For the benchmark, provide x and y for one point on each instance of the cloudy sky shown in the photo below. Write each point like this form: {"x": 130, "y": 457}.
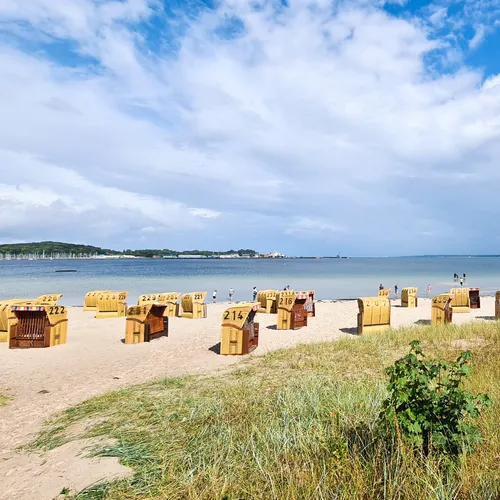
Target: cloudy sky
{"x": 307, "y": 127}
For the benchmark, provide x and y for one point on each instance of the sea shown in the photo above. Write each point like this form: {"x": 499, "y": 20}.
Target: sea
{"x": 330, "y": 278}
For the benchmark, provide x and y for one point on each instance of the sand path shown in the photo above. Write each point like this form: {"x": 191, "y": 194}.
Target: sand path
{"x": 42, "y": 382}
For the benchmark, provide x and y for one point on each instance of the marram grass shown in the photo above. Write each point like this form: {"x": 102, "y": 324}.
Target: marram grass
{"x": 3, "y": 400}
{"x": 295, "y": 424}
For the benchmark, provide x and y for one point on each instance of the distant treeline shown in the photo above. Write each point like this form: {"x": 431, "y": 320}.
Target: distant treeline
{"x": 49, "y": 248}
{"x": 52, "y": 247}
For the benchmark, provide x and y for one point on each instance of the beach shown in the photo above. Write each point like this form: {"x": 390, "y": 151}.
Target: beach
{"x": 95, "y": 360}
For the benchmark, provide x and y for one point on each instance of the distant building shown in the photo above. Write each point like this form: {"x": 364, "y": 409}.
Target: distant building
{"x": 117, "y": 257}
{"x": 274, "y": 255}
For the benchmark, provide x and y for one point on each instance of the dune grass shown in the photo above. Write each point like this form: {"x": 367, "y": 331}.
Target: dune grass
{"x": 297, "y": 424}
{"x": 3, "y": 400}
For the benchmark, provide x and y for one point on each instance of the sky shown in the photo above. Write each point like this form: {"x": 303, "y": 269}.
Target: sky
{"x": 304, "y": 127}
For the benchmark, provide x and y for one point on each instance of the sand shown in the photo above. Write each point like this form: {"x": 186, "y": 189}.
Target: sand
{"x": 95, "y": 360}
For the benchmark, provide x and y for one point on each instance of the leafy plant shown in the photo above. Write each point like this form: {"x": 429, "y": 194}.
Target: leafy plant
{"x": 428, "y": 406}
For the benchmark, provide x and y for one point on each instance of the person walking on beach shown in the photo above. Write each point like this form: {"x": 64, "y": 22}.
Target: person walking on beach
{"x": 254, "y": 293}
{"x": 429, "y": 291}
{"x": 214, "y": 296}
{"x": 396, "y": 290}
{"x": 231, "y": 293}
{"x": 461, "y": 282}
{"x": 381, "y": 287}
{"x": 464, "y": 276}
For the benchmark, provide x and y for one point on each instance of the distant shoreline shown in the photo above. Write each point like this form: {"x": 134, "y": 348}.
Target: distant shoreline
{"x": 54, "y": 250}
{"x": 218, "y": 257}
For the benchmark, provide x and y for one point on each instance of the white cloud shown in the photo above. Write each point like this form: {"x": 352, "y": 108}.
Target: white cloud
{"x": 478, "y": 37}
{"x": 73, "y": 19}
{"x": 438, "y": 16}
{"x": 492, "y": 82}
{"x": 100, "y": 209}
{"x": 307, "y": 123}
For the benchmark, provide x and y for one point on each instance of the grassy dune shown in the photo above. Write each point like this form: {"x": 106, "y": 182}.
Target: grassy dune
{"x": 297, "y": 424}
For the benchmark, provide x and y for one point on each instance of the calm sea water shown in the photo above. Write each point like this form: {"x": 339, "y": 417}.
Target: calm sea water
{"x": 331, "y": 278}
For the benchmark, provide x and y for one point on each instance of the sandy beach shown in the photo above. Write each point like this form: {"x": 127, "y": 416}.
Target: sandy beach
{"x": 95, "y": 360}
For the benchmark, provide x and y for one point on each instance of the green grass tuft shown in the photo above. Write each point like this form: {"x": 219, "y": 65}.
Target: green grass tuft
{"x": 297, "y": 423}
{"x": 3, "y": 400}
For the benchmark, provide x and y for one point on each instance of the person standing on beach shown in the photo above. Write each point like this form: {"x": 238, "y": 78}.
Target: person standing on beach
{"x": 254, "y": 293}
{"x": 429, "y": 291}
{"x": 461, "y": 282}
{"x": 231, "y": 293}
{"x": 214, "y": 296}
{"x": 396, "y": 290}
{"x": 381, "y": 287}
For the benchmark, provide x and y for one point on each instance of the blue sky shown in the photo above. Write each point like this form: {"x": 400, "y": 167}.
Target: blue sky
{"x": 307, "y": 127}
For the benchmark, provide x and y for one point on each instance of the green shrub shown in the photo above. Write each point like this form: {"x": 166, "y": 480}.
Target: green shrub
{"x": 428, "y": 406}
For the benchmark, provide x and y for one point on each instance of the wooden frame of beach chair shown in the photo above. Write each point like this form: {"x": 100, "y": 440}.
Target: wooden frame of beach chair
{"x": 170, "y": 300}
{"x": 291, "y": 315}
{"x": 409, "y": 297}
{"x": 460, "y": 301}
{"x": 442, "y": 311}
{"x": 193, "y": 305}
{"x": 268, "y": 301}
{"x": 145, "y": 323}
{"x": 239, "y": 331}
{"x": 5, "y": 313}
{"x": 385, "y": 292}
{"x": 37, "y": 326}
{"x": 49, "y": 299}
{"x": 90, "y": 301}
{"x": 374, "y": 314}
{"x": 111, "y": 305}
